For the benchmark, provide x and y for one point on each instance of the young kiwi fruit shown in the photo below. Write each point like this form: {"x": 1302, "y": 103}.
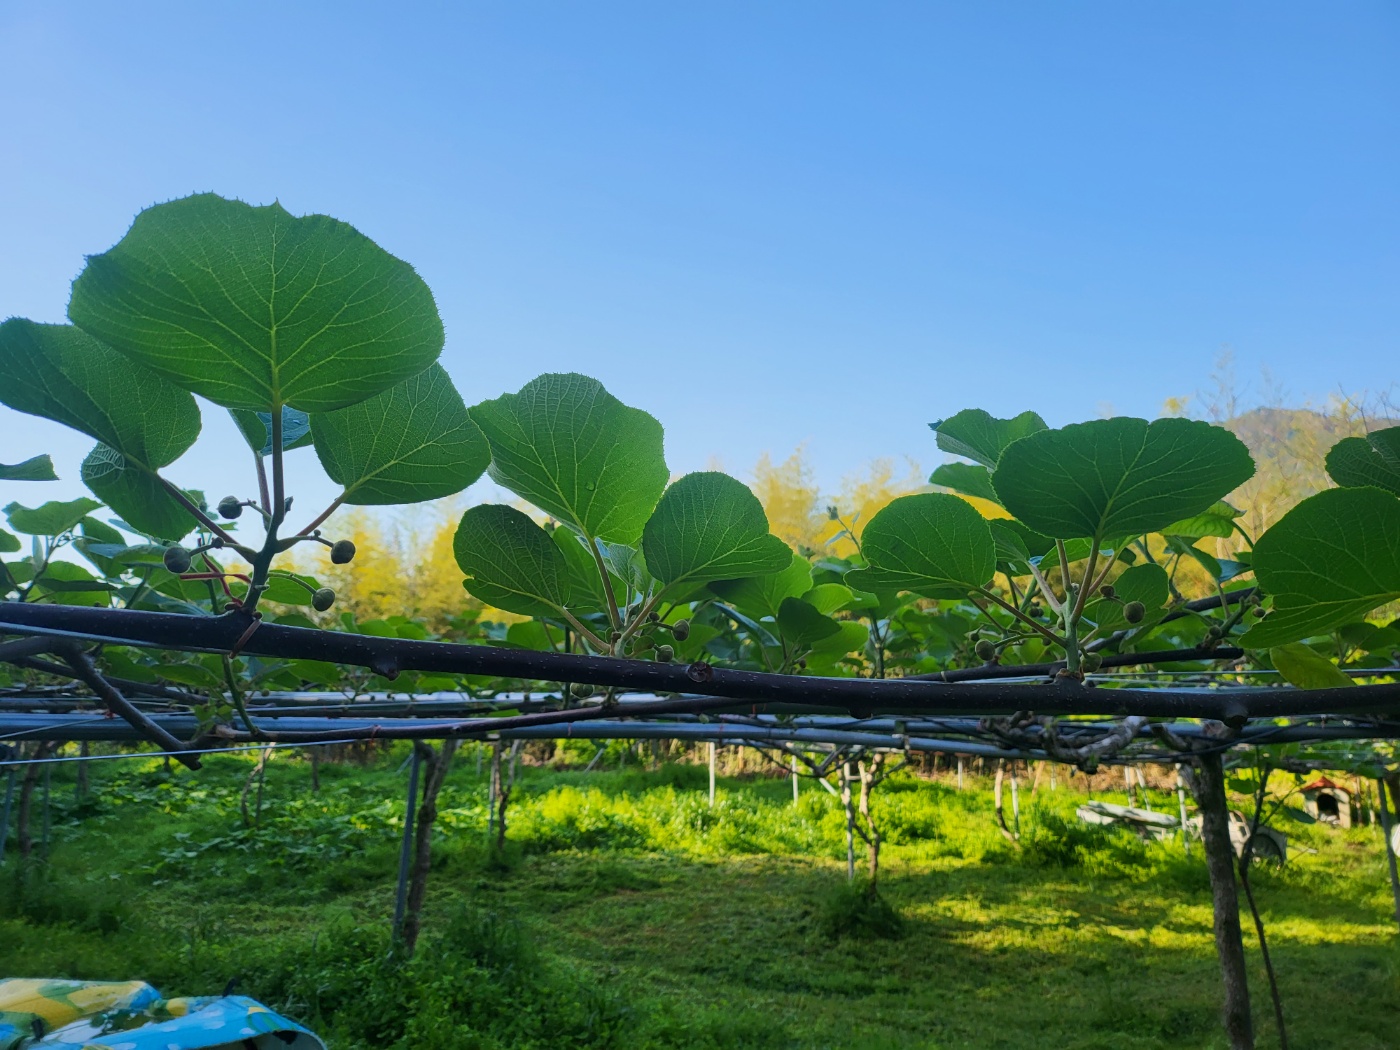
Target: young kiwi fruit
{"x": 176, "y": 559}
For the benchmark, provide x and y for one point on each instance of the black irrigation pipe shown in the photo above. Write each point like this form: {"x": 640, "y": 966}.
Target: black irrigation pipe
{"x": 440, "y": 718}
{"x": 72, "y": 728}
{"x": 75, "y": 727}
{"x": 389, "y": 656}
{"x": 604, "y": 731}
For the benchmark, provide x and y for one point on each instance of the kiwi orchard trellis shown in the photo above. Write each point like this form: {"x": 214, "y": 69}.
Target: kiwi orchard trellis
{"x": 997, "y": 630}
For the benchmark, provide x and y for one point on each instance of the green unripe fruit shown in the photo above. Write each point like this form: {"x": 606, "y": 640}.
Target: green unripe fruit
{"x": 1091, "y": 662}
{"x": 323, "y": 599}
{"x": 681, "y": 630}
{"x": 1215, "y": 631}
{"x": 1133, "y": 612}
{"x": 1259, "y": 611}
{"x": 1107, "y": 591}
{"x": 229, "y": 507}
{"x": 176, "y": 559}
{"x": 985, "y": 650}
{"x": 1037, "y": 612}
{"x": 580, "y": 690}
{"x": 665, "y": 653}
{"x": 342, "y": 552}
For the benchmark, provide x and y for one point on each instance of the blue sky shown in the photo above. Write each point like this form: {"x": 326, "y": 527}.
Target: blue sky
{"x": 768, "y": 224}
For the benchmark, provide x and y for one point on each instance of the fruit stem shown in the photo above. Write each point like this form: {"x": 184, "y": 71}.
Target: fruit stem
{"x": 320, "y": 518}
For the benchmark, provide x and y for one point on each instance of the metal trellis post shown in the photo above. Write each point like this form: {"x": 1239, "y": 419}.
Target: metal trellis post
{"x": 1015, "y": 802}
{"x": 1181, "y": 804}
{"x": 712, "y": 774}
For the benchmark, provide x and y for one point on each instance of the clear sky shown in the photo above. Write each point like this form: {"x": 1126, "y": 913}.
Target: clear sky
{"x": 768, "y": 224}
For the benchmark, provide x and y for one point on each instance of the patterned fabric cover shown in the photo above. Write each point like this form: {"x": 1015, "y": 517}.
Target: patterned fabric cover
{"x": 131, "y": 1015}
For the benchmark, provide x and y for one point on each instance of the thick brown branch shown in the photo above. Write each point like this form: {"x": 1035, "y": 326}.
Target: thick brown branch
{"x": 387, "y": 656}
{"x": 87, "y": 673}
{"x": 126, "y": 685}
{"x": 18, "y": 651}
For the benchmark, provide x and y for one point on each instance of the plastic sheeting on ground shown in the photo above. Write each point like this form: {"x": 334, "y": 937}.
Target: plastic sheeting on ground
{"x": 131, "y": 1015}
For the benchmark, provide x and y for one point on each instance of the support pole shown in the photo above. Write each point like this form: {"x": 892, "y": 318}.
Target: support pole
{"x": 1389, "y": 846}
{"x": 712, "y": 774}
{"x": 493, "y": 787}
{"x": 960, "y": 772}
{"x": 80, "y": 785}
{"x": 794, "y": 780}
{"x": 5, "y": 811}
{"x": 406, "y": 850}
{"x": 1015, "y": 802}
{"x": 850, "y": 821}
{"x": 48, "y": 815}
{"x": 1181, "y": 804}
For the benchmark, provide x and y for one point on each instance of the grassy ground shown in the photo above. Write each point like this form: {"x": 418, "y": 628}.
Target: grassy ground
{"x": 629, "y": 913}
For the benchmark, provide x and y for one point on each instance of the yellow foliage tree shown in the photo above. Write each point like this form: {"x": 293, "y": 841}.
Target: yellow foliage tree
{"x": 863, "y": 494}
{"x": 402, "y": 566}
{"x": 790, "y": 498}
{"x": 800, "y": 514}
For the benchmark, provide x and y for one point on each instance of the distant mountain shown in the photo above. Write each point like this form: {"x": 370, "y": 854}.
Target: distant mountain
{"x": 1270, "y": 428}
{"x": 1290, "y": 448}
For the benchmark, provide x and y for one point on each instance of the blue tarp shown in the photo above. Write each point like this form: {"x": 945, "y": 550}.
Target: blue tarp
{"x": 131, "y": 1015}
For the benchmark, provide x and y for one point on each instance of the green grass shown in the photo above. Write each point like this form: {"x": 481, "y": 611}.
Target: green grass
{"x": 629, "y": 913}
